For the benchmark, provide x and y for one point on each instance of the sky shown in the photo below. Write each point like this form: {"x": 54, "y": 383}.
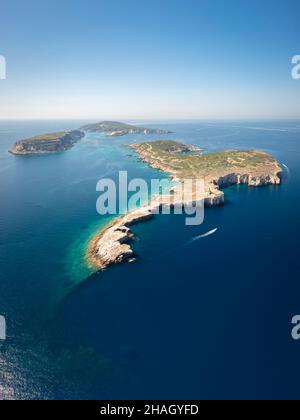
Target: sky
{"x": 149, "y": 59}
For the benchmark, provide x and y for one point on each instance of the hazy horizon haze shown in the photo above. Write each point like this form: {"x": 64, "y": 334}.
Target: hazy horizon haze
{"x": 163, "y": 59}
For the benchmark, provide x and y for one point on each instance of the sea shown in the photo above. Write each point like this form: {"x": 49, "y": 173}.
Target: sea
{"x": 190, "y": 319}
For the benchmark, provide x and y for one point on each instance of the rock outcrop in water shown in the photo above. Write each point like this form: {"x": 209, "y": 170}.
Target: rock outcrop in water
{"x": 47, "y": 143}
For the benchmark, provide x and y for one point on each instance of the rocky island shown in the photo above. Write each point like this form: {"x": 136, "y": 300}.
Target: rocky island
{"x": 65, "y": 140}
{"x": 47, "y": 143}
{"x": 113, "y": 129}
{"x": 218, "y": 170}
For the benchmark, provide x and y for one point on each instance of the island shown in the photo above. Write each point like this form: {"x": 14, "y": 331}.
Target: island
{"x": 113, "y": 129}
{"x": 65, "y": 140}
{"x": 218, "y": 170}
{"x": 47, "y": 143}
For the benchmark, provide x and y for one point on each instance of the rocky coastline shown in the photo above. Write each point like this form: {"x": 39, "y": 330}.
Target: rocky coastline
{"x": 112, "y": 245}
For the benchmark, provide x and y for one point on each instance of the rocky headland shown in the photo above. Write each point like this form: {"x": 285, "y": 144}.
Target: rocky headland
{"x": 112, "y": 246}
{"x": 218, "y": 170}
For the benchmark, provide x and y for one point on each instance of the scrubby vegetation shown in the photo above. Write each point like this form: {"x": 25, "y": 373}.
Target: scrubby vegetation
{"x": 171, "y": 154}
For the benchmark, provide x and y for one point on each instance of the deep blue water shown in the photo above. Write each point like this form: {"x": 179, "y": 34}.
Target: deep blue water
{"x": 205, "y": 320}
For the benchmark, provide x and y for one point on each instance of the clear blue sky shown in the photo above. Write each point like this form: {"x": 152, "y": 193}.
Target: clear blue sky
{"x": 149, "y": 59}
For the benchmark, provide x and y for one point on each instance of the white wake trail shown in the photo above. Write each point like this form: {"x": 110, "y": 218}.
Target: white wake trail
{"x": 204, "y": 235}
{"x": 287, "y": 168}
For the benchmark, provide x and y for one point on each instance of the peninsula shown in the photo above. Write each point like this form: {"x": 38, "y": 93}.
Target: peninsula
{"x": 47, "y": 143}
{"x": 218, "y": 170}
{"x": 113, "y": 129}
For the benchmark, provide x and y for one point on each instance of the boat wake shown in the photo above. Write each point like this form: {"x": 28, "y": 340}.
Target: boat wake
{"x": 204, "y": 235}
{"x": 287, "y": 169}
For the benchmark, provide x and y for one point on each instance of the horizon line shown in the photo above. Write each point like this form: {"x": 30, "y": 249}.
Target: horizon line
{"x": 98, "y": 119}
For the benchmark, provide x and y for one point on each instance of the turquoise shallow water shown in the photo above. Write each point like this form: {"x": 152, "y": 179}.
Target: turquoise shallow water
{"x": 205, "y": 320}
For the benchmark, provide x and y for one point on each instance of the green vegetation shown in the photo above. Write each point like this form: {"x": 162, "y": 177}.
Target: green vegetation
{"x": 47, "y": 137}
{"x": 107, "y": 126}
{"x": 114, "y": 128}
{"x": 47, "y": 143}
{"x": 169, "y": 146}
{"x": 166, "y": 154}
